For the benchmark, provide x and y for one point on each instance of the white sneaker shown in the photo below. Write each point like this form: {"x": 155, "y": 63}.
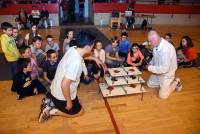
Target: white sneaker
{"x": 179, "y": 85}
{"x": 44, "y": 115}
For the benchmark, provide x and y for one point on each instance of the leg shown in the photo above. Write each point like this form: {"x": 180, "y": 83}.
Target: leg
{"x": 59, "y": 109}
{"x": 57, "y": 112}
{"x": 111, "y": 63}
{"x": 14, "y": 68}
{"x": 37, "y": 84}
{"x": 167, "y": 86}
{"x": 153, "y": 81}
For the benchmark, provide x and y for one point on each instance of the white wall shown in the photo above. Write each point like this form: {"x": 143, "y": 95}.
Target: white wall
{"x": 176, "y": 19}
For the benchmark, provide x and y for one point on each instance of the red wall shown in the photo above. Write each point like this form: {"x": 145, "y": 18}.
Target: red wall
{"x": 144, "y": 8}
{"x": 14, "y": 9}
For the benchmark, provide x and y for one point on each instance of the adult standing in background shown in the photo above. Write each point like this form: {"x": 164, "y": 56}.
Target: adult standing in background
{"x": 71, "y": 4}
{"x": 44, "y": 17}
{"x": 81, "y": 8}
{"x": 163, "y": 66}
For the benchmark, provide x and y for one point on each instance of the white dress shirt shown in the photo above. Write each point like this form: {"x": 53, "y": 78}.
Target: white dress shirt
{"x": 164, "y": 60}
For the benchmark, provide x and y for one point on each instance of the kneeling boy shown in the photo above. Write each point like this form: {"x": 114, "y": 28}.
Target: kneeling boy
{"x": 65, "y": 83}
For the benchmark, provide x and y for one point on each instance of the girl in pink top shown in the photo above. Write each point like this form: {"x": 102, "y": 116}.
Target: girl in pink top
{"x": 135, "y": 57}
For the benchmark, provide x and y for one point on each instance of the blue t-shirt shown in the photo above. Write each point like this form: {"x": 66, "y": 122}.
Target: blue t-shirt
{"x": 124, "y": 46}
{"x": 50, "y": 69}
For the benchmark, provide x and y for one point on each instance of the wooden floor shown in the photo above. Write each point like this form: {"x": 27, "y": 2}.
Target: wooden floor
{"x": 179, "y": 114}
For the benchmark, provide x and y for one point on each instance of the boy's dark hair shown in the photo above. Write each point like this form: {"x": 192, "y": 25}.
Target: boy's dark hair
{"x": 49, "y": 52}
{"x": 113, "y": 39}
{"x": 23, "y": 63}
{"x": 23, "y": 48}
{"x": 124, "y": 34}
{"x": 85, "y": 38}
{"x": 189, "y": 42}
{"x": 6, "y": 25}
{"x": 49, "y": 36}
{"x": 37, "y": 38}
{"x": 169, "y": 34}
{"x": 34, "y": 25}
{"x": 15, "y": 28}
{"x": 97, "y": 41}
{"x": 67, "y": 31}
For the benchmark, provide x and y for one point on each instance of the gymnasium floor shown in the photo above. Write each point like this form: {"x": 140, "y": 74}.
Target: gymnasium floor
{"x": 179, "y": 114}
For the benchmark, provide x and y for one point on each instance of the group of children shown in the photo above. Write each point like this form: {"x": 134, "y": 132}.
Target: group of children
{"x": 35, "y": 70}
{"x": 28, "y": 62}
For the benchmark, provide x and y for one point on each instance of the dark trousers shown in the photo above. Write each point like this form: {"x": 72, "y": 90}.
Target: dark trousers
{"x": 13, "y": 68}
{"x": 122, "y": 54}
{"x": 29, "y": 91}
{"x": 186, "y": 64}
{"x": 93, "y": 68}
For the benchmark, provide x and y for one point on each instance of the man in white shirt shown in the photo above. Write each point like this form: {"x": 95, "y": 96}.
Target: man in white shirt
{"x": 63, "y": 98}
{"x": 163, "y": 66}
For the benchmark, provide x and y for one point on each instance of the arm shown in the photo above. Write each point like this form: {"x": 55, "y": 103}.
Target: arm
{"x": 46, "y": 78}
{"x": 164, "y": 66}
{"x": 58, "y": 48}
{"x": 141, "y": 58}
{"x": 110, "y": 58}
{"x": 103, "y": 56}
{"x": 129, "y": 61}
{"x": 65, "y": 85}
{"x": 85, "y": 71}
{"x": 99, "y": 63}
{"x": 26, "y": 39}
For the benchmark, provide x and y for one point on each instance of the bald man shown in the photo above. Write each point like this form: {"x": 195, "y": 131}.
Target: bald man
{"x": 163, "y": 66}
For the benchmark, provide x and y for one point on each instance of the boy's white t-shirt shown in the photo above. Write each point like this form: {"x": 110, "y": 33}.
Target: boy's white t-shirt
{"x": 70, "y": 67}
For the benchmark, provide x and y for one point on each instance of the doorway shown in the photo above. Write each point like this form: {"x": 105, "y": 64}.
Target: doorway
{"x": 76, "y": 12}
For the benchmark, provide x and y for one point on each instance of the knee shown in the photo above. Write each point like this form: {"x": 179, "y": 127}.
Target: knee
{"x": 149, "y": 84}
{"x": 163, "y": 95}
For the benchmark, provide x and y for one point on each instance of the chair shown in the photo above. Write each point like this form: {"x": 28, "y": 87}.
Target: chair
{"x": 115, "y": 19}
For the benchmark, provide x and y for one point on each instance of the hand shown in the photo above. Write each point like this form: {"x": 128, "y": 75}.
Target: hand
{"x": 119, "y": 59}
{"x": 99, "y": 63}
{"x": 69, "y": 105}
{"x": 67, "y": 40}
{"x": 27, "y": 84}
{"x": 35, "y": 91}
{"x": 147, "y": 66}
{"x": 86, "y": 77}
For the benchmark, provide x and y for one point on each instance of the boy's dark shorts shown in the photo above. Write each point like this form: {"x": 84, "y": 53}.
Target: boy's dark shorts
{"x": 61, "y": 105}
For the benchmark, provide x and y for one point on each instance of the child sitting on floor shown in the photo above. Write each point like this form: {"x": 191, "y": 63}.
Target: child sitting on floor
{"x": 23, "y": 84}
{"x": 135, "y": 57}
{"x": 50, "y": 66}
{"x": 189, "y": 51}
{"x": 91, "y": 69}
{"x": 112, "y": 54}
{"x": 51, "y": 44}
{"x": 26, "y": 53}
{"x": 180, "y": 56}
{"x": 100, "y": 54}
{"x": 37, "y": 50}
